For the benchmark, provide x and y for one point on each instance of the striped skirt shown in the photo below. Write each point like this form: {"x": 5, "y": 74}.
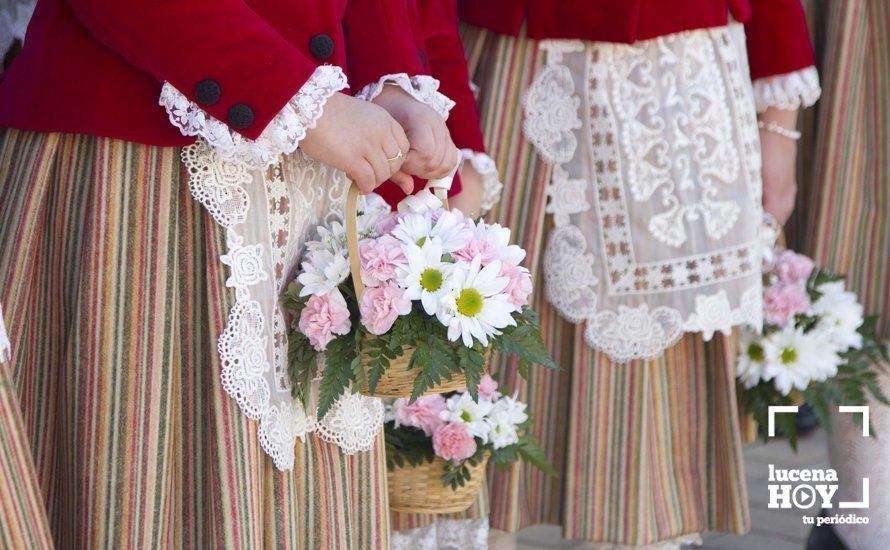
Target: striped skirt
{"x": 648, "y": 452}
{"x": 843, "y": 219}
{"x": 114, "y": 300}
{"x": 23, "y": 522}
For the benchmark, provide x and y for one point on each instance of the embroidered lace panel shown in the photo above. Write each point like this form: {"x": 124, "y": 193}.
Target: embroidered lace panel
{"x": 655, "y": 192}
{"x": 267, "y": 215}
{"x": 444, "y": 534}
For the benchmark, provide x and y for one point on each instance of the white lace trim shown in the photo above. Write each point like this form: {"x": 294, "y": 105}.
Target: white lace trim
{"x": 280, "y": 137}
{"x": 423, "y": 88}
{"x": 676, "y": 543}
{"x": 5, "y": 346}
{"x": 224, "y": 188}
{"x": 444, "y": 534}
{"x": 666, "y": 124}
{"x": 790, "y": 91}
{"x": 551, "y": 106}
{"x": 491, "y": 181}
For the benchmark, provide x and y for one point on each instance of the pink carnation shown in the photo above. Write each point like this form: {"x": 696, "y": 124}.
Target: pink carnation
{"x": 782, "y": 301}
{"x": 380, "y": 258}
{"x": 380, "y": 307}
{"x": 520, "y": 285}
{"x": 323, "y": 317}
{"x": 792, "y": 267}
{"x": 387, "y": 224}
{"x": 423, "y": 413}
{"x": 488, "y": 388}
{"x": 474, "y": 248}
{"x": 454, "y": 442}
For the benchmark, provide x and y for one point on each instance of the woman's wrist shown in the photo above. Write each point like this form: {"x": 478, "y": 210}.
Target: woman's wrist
{"x": 780, "y": 122}
{"x": 775, "y": 128}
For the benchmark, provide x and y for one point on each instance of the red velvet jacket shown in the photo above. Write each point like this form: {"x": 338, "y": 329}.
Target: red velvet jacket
{"x": 778, "y": 41}
{"x": 439, "y": 40}
{"x": 96, "y": 66}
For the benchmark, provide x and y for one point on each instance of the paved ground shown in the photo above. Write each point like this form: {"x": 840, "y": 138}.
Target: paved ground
{"x": 770, "y": 529}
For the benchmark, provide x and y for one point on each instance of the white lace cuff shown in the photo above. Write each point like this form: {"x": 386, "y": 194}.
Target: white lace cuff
{"x": 424, "y": 89}
{"x": 281, "y": 136}
{"x": 790, "y": 91}
{"x": 491, "y": 184}
{"x": 5, "y": 347}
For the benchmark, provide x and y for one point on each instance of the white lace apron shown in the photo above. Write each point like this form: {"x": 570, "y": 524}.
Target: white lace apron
{"x": 267, "y": 215}
{"x": 656, "y": 187}
{"x": 269, "y": 197}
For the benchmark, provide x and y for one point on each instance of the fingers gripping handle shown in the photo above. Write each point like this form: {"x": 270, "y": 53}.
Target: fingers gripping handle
{"x": 434, "y": 195}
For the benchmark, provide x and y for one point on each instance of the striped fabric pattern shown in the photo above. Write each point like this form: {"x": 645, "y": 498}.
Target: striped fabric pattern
{"x": 844, "y": 204}
{"x": 114, "y": 299}
{"x": 843, "y": 215}
{"x": 23, "y": 522}
{"x": 648, "y": 451}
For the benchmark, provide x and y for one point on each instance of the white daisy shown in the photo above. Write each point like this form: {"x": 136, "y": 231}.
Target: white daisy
{"x": 498, "y": 238}
{"x": 323, "y": 272}
{"x": 749, "y": 368}
{"x": 451, "y": 230}
{"x": 795, "y": 358}
{"x": 475, "y": 306}
{"x": 506, "y": 416}
{"x": 332, "y": 239}
{"x": 425, "y": 277}
{"x": 840, "y": 316}
{"x": 389, "y": 410}
{"x": 372, "y": 210}
{"x": 462, "y": 409}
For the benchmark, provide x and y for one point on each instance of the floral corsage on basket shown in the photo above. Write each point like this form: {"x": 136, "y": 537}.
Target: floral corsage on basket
{"x": 816, "y": 347}
{"x": 406, "y": 304}
{"x": 438, "y": 446}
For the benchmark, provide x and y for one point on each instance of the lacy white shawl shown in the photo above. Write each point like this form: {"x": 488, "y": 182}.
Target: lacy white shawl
{"x": 656, "y": 185}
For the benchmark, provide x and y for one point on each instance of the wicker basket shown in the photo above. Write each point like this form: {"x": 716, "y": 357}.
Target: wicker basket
{"x": 419, "y": 489}
{"x": 398, "y": 380}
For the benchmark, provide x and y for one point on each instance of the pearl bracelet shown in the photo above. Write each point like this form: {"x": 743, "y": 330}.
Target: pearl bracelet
{"x": 775, "y": 128}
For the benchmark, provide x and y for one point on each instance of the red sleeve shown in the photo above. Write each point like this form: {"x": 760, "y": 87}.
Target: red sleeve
{"x": 382, "y": 37}
{"x": 379, "y": 41}
{"x": 778, "y": 38}
{"x": 187, "y": 42}
{"x": 447, "y": 61}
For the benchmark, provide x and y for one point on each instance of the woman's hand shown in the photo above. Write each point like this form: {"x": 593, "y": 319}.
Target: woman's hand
{"x": 359, "y": 138}
{"x": 779, "y": 165}
{"x": 469, "y": 200}
{"x": 432, "y": 154}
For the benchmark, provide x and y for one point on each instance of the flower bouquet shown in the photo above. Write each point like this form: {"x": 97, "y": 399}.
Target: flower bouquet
{"x": 815, "y": 345}
{"x": 438, "y": 446}
{"x": 412, "y": 301}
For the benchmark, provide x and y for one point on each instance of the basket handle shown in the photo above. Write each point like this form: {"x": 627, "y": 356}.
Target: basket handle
{"x": 434, "y": 195}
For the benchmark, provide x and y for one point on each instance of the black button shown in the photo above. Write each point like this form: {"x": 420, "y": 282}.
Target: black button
{"x": 207, "y": 92}
{"x": 240, "y": 116}
{"x": 422, "y": 57}
{"x": 321, "y": 46}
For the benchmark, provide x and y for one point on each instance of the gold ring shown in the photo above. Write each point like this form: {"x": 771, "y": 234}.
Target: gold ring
{"x": 395, "y": 158}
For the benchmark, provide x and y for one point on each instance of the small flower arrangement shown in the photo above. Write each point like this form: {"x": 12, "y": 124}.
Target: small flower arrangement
{"x": 815, "y": 342}
{"x": 436, "y": 282}
{"x": 462, "y": 432}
